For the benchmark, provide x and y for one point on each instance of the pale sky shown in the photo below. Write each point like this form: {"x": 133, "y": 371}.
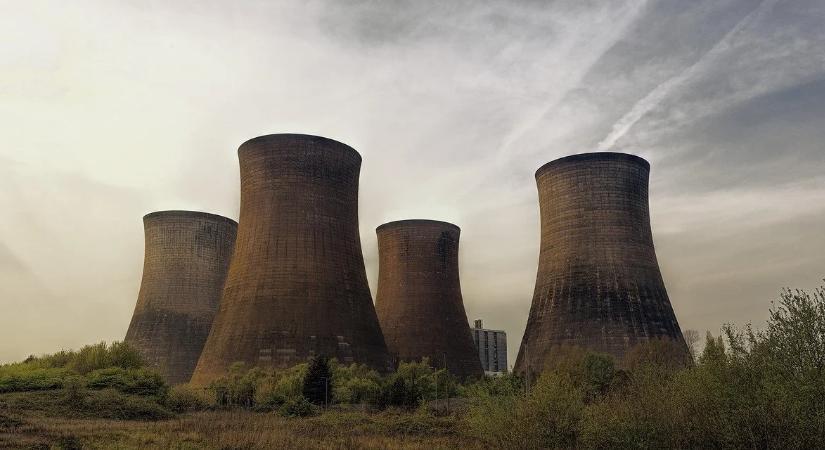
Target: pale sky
{"x": 113, "y": 109}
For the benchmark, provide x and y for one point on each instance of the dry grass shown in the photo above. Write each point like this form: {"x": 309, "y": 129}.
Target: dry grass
{"x": 239, "y": 430}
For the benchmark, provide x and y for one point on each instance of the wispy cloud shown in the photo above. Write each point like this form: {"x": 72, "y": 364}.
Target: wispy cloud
{"x": 662, "y": 91}
{"x": 109, "y": 110}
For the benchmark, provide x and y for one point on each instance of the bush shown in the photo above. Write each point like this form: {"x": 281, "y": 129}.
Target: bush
{"x": 412, "y": 384}
{"x": 750, "y": 389}
{"x": 129, "y": 381}
{"x": 491, "y": 416}
{"x": 20, "y": 378}
{"x": 183, "y": 398}
{"x": 355, "y": 384}
{"x": 101, "y": 356}
{"x": 112, "y": 404}
{"x": 75, "y": 389}
{"x": 239, "y": 388}
{"x": 51, "y": 371}
{"x": 297, "y": 407}
{"x": 275, "y": 388}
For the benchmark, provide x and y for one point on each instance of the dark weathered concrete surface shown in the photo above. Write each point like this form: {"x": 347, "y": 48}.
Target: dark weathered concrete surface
{"x": 186, "y": 261}
{"x": 598, "y": 284}
{"x": 419, "y": 299}
{"x": 297, "y": 285}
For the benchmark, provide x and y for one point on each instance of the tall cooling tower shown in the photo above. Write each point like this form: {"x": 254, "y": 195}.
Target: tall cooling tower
{"x": 419, "y": 300}
{"x": 185, "y": 265}
{"x": 297, "y": 286}
{"x": 598, "y": 285}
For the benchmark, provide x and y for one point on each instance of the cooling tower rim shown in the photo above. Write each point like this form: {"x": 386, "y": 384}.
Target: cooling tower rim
{"x": 593, "y": 156}
{"x": 292, "y": 136}
{"x": 188, "y": 214}
{"x": 408, "y": 222}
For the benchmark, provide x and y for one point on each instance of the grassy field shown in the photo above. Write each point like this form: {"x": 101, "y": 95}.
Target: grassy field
{"x": 36, "y": 420}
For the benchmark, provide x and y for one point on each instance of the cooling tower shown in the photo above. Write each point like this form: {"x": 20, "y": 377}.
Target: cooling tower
{"x": 419, "y": 300}
{"x": 185, "y": 265}
{"x": 297, "y": 286}
{"x": 598, "y": 285}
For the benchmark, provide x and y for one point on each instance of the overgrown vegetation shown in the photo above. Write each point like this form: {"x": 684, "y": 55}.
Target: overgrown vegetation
{"x": 747, "y": 389}
{"x": 751, "y": 388}
{"x": 326, "y": 382}
{"x": 98, "y": 381}
{"x": 95, "y": 362}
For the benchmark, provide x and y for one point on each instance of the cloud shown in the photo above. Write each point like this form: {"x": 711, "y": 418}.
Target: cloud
{"x": 110, "y": 110}
{"x": 663, "y": 90}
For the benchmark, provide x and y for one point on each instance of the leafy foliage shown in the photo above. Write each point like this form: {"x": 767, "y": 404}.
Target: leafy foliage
{"x": 747, "y": 389}
{"x": 128, "y": 381}
{"x": 118, "y": 362}
{"x": 355, "y": 384}
{"x": 182, "y": 399}
{"x": 297, "y": 407}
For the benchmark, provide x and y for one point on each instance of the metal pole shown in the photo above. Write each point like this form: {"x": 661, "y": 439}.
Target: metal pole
{"x": 437, "y": 392}
{"x": 446, "y": 390}
{"x": 527, "y": 359}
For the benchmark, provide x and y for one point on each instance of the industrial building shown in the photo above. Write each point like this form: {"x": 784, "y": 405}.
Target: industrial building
{"x": 492, "y": 348}
{"x": 598, "y": 285}
{"x": 185, "y": 265}
{"x": 297, "y": 285}
{"x": 419, "y": 301}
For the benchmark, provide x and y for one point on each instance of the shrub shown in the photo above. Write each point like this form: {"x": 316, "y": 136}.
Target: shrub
{"x": 50, "y": 371}
{"x": 667, "y": 353}
{"x": 183, "y": 398}
{"x": 491, "y": 416}
{"x": 297, "y": 407}
{"x": 276, "y": 387}
{"x": 74, "y": 388}
{"x": 19, "y": 378}
{"x": 239, "y": 388}
{"x": 355, "y": 384}
{"x": 129, "y": 381}
{"x": 412, "y": 384}
{"x": 112, "y": 404}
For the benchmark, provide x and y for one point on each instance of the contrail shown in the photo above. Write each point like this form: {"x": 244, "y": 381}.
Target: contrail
{"x": 660, "y": 92}
{"x": 537, "y": 117}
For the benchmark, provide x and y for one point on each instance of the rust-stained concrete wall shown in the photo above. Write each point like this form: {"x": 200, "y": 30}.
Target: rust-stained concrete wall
{"x": 297, "y": 285}
{"x": 598, "y": 284}
{"x": 185, "y": 265}
{"x": 419, "y": 299}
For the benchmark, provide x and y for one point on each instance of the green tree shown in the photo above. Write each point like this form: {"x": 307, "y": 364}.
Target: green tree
{"x": 318, "y": 386}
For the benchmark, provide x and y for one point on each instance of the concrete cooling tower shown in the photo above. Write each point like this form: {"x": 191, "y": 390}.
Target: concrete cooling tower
{"x": 297, "y": 286}
{"x": 598, "y": 285}
{"x": 185, "y": 265}
{"x": 419, "y": 300}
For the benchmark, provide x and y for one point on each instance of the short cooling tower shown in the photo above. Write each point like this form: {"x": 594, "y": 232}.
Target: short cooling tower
{"x": 186, "y": 261}
{"x": 598, "y": 285}
{"x": 297, "y": 286}
{"x": 419, "y": 300}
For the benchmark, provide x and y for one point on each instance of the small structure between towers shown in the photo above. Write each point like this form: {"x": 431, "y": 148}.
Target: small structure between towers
{"x": 492, "y": 348}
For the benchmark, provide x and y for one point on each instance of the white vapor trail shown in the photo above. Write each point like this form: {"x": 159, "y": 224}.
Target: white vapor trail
{"x": 660, "y": 92}
{"x": 597, "y": 48}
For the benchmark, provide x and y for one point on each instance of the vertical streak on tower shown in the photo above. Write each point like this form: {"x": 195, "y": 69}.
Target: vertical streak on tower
{"x": 598, "y": 285}
{"x": 185, "y": 265}
{"x": 297, "y": 285}
{"x": 419, "y": 299}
